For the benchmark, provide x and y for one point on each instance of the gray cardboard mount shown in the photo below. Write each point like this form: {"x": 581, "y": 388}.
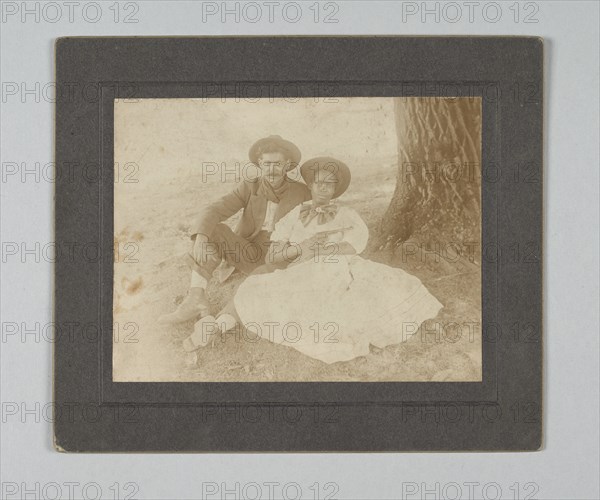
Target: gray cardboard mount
{"x": 503, "y": 412}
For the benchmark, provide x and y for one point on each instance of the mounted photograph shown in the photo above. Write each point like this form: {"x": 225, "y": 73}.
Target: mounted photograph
{"x": 356, "y": 247}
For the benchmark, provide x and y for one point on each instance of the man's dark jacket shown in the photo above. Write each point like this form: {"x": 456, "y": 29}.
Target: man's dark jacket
{"x": 244, "y": 197}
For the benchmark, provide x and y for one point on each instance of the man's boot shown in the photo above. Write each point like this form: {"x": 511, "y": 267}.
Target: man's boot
{"x": 194, "y": 305}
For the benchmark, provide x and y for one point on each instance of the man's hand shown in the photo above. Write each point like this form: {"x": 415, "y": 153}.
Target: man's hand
{"x": 200, "y": 250}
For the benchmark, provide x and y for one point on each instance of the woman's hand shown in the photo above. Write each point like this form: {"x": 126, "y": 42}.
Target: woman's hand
{"x": 317, "y": 239}
{"x": 294, "y": 253}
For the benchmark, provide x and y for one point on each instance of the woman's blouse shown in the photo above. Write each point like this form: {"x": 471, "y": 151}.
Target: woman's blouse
{"x": 290, "y": 229}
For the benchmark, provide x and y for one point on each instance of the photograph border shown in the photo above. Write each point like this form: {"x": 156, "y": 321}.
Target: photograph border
{"x": 503, "y": 412}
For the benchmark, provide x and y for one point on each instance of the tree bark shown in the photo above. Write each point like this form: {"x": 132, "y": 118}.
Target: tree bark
{"x": 438, "y": 189}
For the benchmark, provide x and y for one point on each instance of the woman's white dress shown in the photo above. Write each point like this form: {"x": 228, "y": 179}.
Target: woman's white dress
{"x": 331, "y": 307}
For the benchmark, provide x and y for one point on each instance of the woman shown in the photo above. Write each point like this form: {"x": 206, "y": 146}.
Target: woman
{"x": 329, "y": 303}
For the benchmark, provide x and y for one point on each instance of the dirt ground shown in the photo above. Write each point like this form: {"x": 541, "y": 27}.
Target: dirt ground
{"x": 151, "y": 278}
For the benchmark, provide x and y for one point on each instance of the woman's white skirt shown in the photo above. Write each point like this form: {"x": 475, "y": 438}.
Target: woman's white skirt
{"x": 333, "y": 308}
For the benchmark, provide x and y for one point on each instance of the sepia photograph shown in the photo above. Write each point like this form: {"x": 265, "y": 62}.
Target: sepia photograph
{"x": 297, "y": 239}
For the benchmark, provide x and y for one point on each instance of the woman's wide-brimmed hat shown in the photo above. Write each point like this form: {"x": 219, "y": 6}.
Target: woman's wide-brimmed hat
{"x": 289, "y": 148}
{"x": 338, "y": 168}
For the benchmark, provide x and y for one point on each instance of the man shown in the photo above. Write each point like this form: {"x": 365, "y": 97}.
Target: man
{"x": 264, "y": 201}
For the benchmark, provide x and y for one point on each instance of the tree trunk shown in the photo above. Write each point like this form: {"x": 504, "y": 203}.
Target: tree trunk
{"x": 438, "y": 190}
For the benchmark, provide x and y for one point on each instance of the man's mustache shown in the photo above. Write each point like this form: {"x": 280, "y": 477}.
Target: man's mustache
{"x": 273, "y": 174}
{"x": 274, "y": 179}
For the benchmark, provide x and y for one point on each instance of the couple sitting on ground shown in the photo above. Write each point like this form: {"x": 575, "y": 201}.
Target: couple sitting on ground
{"x": 307, "y": 286}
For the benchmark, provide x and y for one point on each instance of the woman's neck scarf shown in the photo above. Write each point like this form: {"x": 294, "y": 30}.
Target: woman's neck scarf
{"x": 271, "y": 192}
{"x": 323, "y": 213}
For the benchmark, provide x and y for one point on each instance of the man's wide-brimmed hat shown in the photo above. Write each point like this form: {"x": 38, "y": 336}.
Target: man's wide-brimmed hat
{"x": 338, "y": 168}
{"x": 289, "y": 148}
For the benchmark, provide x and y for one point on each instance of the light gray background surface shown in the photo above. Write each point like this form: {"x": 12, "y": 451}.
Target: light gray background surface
{"x": 568, "y": 466}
